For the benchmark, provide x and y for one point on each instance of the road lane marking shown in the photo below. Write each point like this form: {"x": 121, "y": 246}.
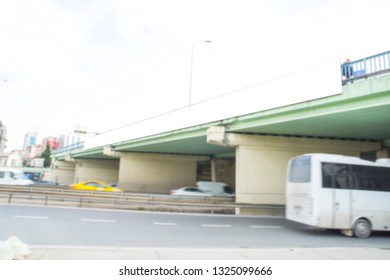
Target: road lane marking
{"x": 266, "y": 227}
{"x": 97, "y": 221}
{"x": 31, "y": 217}
{"x": 164, "y": 224}
{"x": 211, "y": 225}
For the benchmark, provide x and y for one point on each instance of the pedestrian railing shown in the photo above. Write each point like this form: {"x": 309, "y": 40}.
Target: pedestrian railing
{"x": 366, "y": 67}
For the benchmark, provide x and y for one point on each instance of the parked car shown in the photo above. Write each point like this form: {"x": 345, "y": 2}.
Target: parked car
{"x": 95, "y": 185}
{"x": 190, "y": 191}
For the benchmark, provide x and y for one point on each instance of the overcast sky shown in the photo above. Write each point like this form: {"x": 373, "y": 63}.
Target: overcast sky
{"x": 108, "y": 63}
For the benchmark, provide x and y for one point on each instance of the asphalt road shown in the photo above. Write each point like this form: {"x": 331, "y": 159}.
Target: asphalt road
{"x": 55, "y": 226}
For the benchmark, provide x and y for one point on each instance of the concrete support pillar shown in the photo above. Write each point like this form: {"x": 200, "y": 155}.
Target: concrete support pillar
{"x": 63, "y": 172}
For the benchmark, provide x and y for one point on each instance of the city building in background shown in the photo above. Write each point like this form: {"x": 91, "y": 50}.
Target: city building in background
{"x": 13, "y": 159}
{"x": 70, "y": 139}
{"x": 3, "y": 143}
{"x": 30, "y": 139}
{"x": 50, "y": 141}
{"x": 30, "y": 155}
{"x": 3, "y": 137}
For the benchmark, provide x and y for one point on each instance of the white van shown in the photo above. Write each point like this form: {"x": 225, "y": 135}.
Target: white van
{"x": 216, "y": 188}
{"x": 13, "y": 176}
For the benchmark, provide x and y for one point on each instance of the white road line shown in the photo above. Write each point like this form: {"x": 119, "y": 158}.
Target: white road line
{"x": 31, "y": 217}
{"x": 209, "y": 225}
{"x": 164, "y": 224}
{"x": 266, "y": 227}
{"x": 97, "y": 221}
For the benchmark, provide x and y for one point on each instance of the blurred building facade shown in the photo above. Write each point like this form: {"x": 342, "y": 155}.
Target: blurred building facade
{"x": 50, "y": 141}
{"x": 3, "y": 137}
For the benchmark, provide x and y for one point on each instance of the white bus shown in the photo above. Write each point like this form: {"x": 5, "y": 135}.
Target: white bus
{"x": 339, "y": 192}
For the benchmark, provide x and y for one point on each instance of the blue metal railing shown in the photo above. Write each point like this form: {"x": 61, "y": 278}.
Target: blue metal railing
{"x": 366, "y": 67}
{"x": 70, "y": 147}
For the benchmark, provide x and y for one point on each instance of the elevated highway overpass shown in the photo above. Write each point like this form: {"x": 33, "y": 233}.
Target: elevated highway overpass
{"x": 248, "y": 151}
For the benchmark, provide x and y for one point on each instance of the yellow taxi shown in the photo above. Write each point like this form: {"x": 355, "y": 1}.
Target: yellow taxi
{"x": 95, "y": 185}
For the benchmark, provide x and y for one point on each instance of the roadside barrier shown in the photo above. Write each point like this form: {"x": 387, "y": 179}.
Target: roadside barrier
{"x": 62, "y": 196}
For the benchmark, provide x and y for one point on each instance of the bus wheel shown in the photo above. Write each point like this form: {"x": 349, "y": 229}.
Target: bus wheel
{"x": 362, "y": 228}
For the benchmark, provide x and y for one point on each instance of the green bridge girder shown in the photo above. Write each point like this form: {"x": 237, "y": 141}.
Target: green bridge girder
{"x": 361, "y": 112}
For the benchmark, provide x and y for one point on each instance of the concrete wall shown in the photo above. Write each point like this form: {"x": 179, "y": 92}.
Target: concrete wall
{"x": 383, "y": 153}
{"x": 224, "y": 170}
{"x": 90, "y": 169}
{"x": 63, "y": 172}
{"x": 154, "y": 173}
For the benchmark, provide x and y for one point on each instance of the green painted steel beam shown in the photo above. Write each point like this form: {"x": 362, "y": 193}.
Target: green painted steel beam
{"x": 361, "y": 112}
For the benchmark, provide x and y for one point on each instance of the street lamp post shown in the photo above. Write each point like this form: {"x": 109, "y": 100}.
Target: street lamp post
{"x": 79, "y": 129}
{"x": 192, "y": 62}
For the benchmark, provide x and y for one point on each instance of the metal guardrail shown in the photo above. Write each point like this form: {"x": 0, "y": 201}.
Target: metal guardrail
{"x": 366, "y": 67}
{"x": 125, "y": 201}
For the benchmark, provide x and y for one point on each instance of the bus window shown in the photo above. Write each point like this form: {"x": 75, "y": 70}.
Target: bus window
{"x": 372, "y": 178}
{"x": 334, "y": 175}
{"x": 300, "y": 170}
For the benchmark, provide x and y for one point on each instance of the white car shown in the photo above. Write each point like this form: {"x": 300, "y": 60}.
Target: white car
{"x": 216, "y": 188}
{"x": 190, "y": 191}
{"x": 13, "y": 176}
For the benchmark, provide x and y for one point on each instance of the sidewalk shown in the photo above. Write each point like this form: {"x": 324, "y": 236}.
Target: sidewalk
{"x": 111, "y": 253}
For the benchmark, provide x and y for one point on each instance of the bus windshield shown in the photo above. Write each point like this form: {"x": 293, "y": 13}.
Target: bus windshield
{"x": 300, "y": 170}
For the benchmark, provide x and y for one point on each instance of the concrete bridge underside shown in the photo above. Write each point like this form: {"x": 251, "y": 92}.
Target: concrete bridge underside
{"x": 250, "y": 152}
